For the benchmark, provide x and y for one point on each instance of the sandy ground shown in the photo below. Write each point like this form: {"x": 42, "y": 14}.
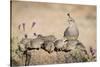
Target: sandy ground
{"x": 51, "y": 19}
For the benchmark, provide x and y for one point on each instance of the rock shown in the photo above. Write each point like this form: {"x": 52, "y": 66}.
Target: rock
{"x": 59, "y": 44}
{"x": 49, "y": 46}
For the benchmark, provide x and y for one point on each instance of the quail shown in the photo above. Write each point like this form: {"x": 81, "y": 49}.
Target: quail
{"x": 71, "y": 32}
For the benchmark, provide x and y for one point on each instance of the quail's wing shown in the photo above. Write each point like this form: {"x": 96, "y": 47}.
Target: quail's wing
{"x": 66, "y": 32}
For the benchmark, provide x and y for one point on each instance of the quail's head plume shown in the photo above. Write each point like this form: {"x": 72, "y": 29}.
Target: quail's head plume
{"x": 70, "y": 19}
{"x": 68, "y": 14}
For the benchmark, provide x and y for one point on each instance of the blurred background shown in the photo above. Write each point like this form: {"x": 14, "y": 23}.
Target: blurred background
{"x": 51, "y": 19}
